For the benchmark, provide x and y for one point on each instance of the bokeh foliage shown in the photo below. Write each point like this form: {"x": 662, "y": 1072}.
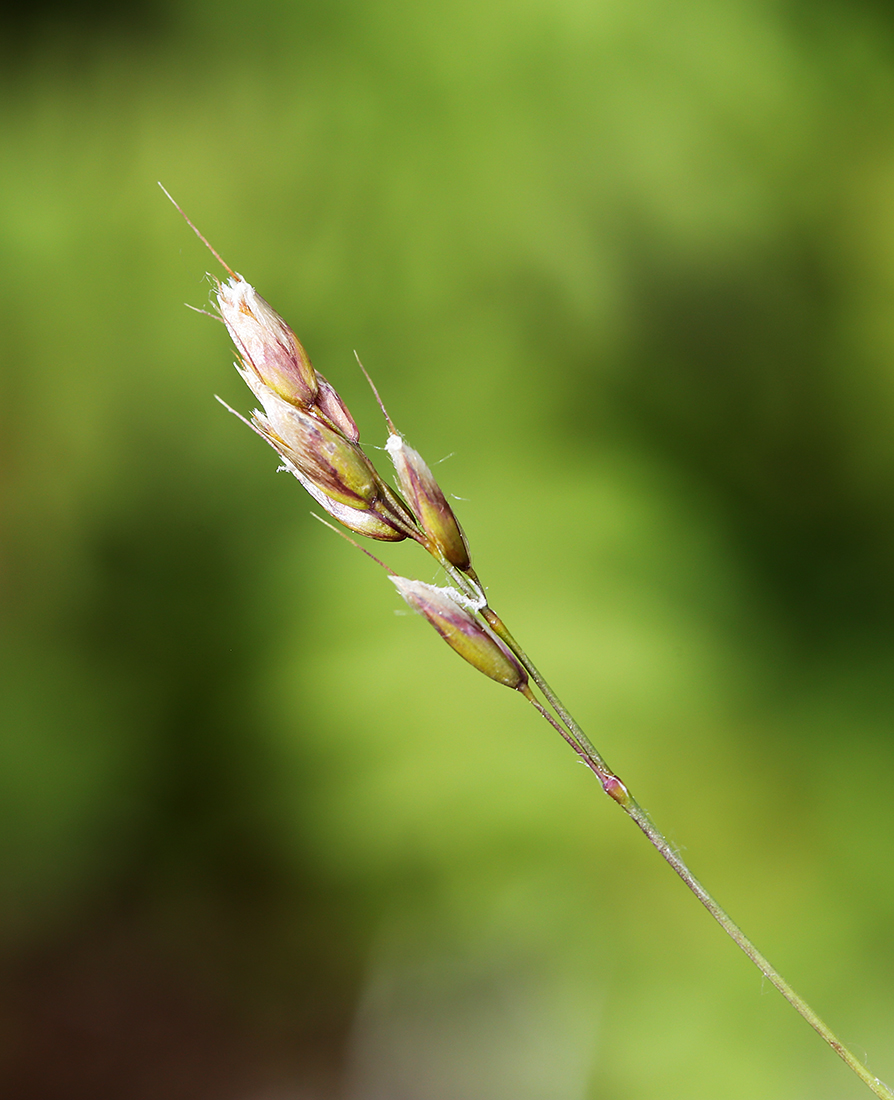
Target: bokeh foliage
{"x": 632, "y": 267}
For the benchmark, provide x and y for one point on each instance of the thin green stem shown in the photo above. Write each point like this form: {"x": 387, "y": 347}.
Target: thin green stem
{"x": 499, "y": 628}
{"x": 616, "y": 789}
{"x": 642, "y": 819}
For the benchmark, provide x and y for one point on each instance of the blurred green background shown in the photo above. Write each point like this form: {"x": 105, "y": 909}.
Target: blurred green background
{"x": 631, "y": 265}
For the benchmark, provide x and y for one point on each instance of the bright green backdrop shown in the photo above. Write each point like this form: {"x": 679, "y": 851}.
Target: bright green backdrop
{"x": 631, "y": 265}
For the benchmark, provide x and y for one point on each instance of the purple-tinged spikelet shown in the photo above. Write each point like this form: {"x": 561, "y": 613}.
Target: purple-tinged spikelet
{"x": 463, "y": 632}
{"x": 274, "y": 354}
{"x": 424, "y": 495}
{"x": 266, "y": 342}
{"x": 335, "y": 472}
{"x": 427, "y": 502}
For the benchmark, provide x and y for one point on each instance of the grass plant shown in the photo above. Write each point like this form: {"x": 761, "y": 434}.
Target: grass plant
{"x": 306, "y": 422}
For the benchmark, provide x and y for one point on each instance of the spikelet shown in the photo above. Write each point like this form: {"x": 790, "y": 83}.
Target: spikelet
{"x": 271, "y": 351}
{"x": 463, "y": 632}
{"x": 424, "y": 495}
{"x": 266, "y": 343}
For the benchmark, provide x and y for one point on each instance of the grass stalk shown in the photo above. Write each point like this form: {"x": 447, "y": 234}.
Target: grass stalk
{"x": 619, "y": 792}
{"x": 308, "y": 425}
